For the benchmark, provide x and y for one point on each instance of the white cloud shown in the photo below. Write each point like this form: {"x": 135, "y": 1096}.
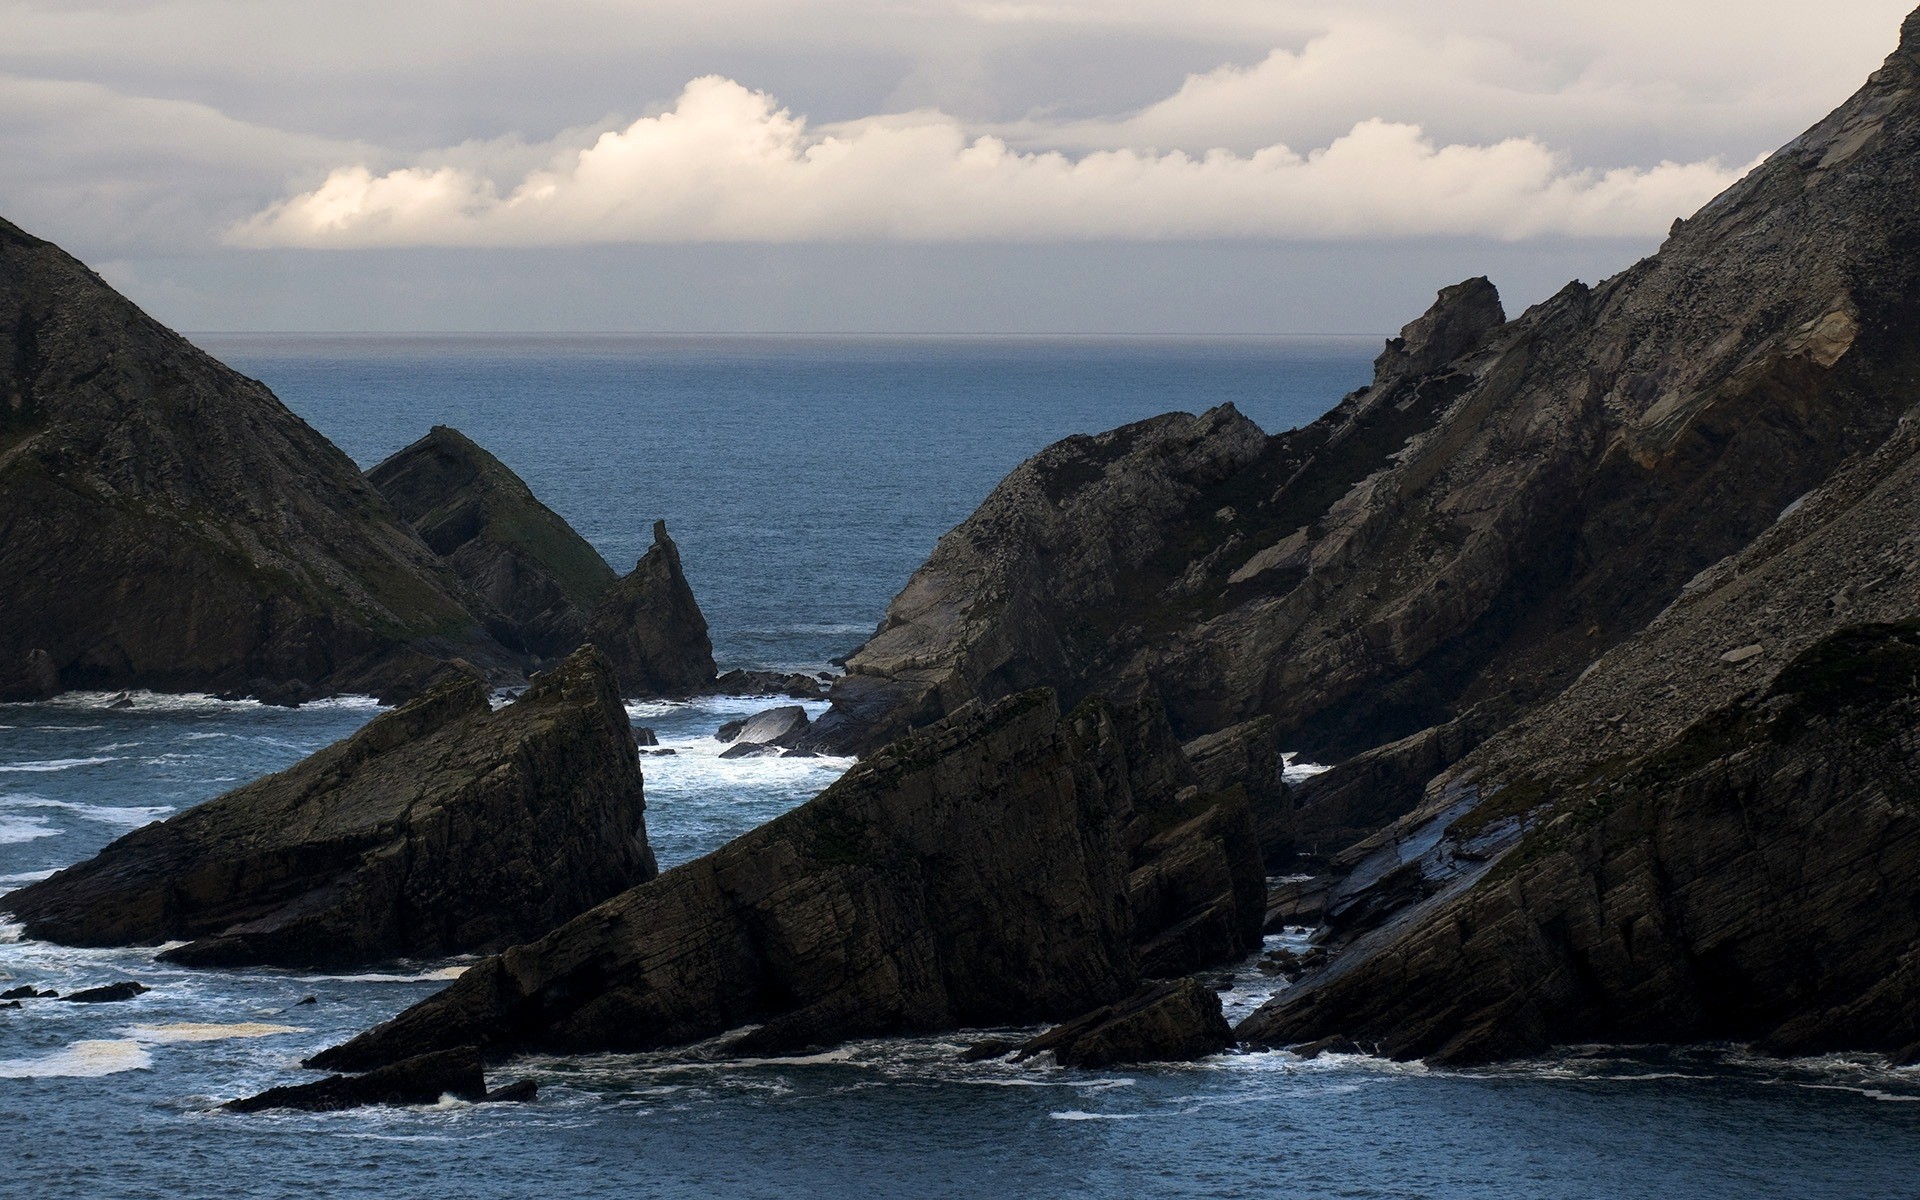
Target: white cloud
{"x": 727, "y": 164}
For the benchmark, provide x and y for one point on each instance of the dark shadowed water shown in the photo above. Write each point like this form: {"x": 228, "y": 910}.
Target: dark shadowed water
{"x": 804, "y": 479}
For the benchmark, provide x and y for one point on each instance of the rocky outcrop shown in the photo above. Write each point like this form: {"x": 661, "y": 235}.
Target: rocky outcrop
{"x": 650, "y": 627}
{"x": 518, "y": 554}
{"x": 1246, "y": 756}
{"x": 739, "y": 682}
{"x": 973, "y": 874}
{"x": 1505, "y": 502}
{"x": 422, "y": 1080}
{"x": 442, "y": 827}
{"x": 169, "y": 524}
{"x": 1165, "y": 1021}
{"x": 783, "y": 727}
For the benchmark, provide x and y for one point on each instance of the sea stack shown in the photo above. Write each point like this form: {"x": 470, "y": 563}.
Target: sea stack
{"x": 651, "y": 629}
{"x": 443, "y": 827}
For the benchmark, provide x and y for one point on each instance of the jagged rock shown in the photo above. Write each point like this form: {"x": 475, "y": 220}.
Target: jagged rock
{"x": 168, "y": 524}
{"x": 729, "y": 731}
{"x": 973, "y": 874}
{"x": 1245, "y": 756}
{"x": 648, "y": 624}
{"x": 770, "y": 683}
{"x": 112, "y": 993}
{"x": 750, "y": 750}
{"x": 28, "y": 992}
{"x": 439, "y": 828}
{"x": 1165, "y": 1021}
{"x": 420, "y": 1080}
{"x": 521, "y": 1091}
{"x": 1504, "y": 503}
{"x": 643, "y": 736}
{"x": 1198, "y": 891}
{"x": 485, "y": 522}
{"x": 782, "y": 727}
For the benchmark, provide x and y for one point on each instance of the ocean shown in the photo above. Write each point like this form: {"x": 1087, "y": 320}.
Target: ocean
{"x": 804, "y": 479}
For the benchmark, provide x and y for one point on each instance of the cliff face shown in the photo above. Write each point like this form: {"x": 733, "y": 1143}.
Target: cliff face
{"x": 651, "y": 628}
{"x": 167, "y": 523}
{"x": 442, "y": 827}
{"x": 1504, "y": 503}
{"x": 976, "y": 873}
{"x": 519, "y": 555}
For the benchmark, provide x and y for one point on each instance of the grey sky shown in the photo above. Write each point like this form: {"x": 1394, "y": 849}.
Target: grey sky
{"x": 1147, "y": 165}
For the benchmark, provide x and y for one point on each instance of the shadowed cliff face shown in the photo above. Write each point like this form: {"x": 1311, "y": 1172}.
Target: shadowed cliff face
{"x": 442, "y": 827}
{"x": 998, "y": 867}
{"x": 651, "y": 628}
{"x": 475, "y": 513}
{"x": 167, "y": 523}
{"x": 1502, "y": 505}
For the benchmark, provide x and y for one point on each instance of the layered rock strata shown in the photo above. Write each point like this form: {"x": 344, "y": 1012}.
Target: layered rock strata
{"x": 651, "y": 629}
{"x": 442, "y": 827}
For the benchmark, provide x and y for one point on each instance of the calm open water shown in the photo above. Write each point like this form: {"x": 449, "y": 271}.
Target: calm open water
{"x": 804, "y": 478}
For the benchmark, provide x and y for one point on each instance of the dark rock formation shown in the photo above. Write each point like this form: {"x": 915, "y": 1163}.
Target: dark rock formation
{"x": 112, "y": 993}
{"x": 643, "y": 736}
{"x": 29, "y": 676}
{"x": 168, "y": 524}
{"x": 1245, "y": 756}
{"x": 421, "y": 1080}
{"x": 750, "y": 750}
{"x": 1197, "y": 890}
{"x": 439, "y": 828}
{"x": 649, "y": 626}
{"x": 1165, "y": 1021}
{"x": 973, "y": 874}
{"x": 769, "y": 683}
{"x": 1501, "y": 506}
{"x": 475, "y": 513}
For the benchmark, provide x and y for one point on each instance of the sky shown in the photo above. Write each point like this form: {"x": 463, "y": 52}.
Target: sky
{"x": 1072, "y": 166}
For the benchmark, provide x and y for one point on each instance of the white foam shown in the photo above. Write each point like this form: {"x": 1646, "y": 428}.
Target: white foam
{"x": 200, "y": 1031}
{"x": 437, "y": 975}
{"x": 14, "y": 830}
{"x": 1294, "y": 771}
{"x": 82, "y": 1060}
{"x": 107, "y": 814}
{"x": 53, "y": 764}
{"x": 1075, "y": 1114}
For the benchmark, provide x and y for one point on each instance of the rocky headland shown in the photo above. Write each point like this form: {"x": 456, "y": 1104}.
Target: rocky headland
{"x": 442, "y": 827}
{"x": 651, "y": 629}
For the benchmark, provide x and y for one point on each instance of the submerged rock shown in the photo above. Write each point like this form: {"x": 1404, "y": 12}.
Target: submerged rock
{"x": 517, "y": 553}
{"x": 651, "y": 629}
{"x": 973, "y": 874}
{"x": 424, "y": 1079}
{"x": 1165, "y": 1021}
{"x": 170, "y": 525}
{"x": 442, "y": 827}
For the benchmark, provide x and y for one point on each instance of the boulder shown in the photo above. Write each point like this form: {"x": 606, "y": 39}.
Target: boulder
{"x": 112, "y": 993}
{"x": 1165, "y": 1021}
{"x": 642, "y": 736}
{"x": 783, "y": 727}
{"x": 474, "y": 512}
{"x": 750, "y": 750}
{"x": 424, "y": 1079}
{"x": 650, "y": 627}
{"x": 770, "y": 683}
{"x": 972, "y": 874}
{"x": 169, "y": 524}
{"x": 442, "y": 827}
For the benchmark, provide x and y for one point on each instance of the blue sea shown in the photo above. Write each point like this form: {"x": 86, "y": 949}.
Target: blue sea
{"x": 804, "y": 479}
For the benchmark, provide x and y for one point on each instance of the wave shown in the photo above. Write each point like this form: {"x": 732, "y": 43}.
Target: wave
{"x": 14, "y": 830}
{"x": 53, "y": 764}
{"x": 203, "y": 1031}
{"x": 130, "y": 816}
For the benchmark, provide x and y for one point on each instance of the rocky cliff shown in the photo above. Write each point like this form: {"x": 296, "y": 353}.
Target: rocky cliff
{"x": 976, "y": 873}
{"x": 652, "y": 629}
{"x": 442, "y": 827}
{"x": 167, "y": 523}
{"x": 517, "y": 553}
{"x": 1505, "y": 502}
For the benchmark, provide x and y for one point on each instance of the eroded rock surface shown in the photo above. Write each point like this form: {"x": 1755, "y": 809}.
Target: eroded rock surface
{"x": 1165, "y": 1021}
{"x": 167, "y": 523}
{"x": 442, "y": 827}
{"x": 474, "y": 512}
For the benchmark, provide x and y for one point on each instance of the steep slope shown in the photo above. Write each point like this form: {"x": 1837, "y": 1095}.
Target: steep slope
{"x": 650, "y": 626}
{"x": 1713, "y": 834}
{"x": 1502, "y": 505}
{"x": 517, "y": 553}
{"x": 167, "y": 523}
{"x": 442, "y": 827}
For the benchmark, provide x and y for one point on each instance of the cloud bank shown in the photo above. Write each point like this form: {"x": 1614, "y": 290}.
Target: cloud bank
{"x": 728, "y": 164}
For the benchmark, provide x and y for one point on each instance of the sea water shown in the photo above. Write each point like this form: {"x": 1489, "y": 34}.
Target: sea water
{"x": 804, "y": 480}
